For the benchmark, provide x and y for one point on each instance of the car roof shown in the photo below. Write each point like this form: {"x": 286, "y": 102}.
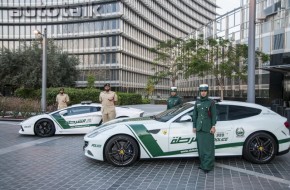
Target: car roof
{"x": 237, "y": 103}
{"x": 86, "y": 104}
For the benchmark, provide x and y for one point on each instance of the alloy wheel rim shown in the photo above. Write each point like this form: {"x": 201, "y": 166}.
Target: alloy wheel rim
{"x": 121, "y": 152}
{"x": 261, "y": 148}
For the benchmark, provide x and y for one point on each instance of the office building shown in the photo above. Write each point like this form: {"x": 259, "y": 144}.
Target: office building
{"x": 111, "y": 38}
{"x": 272, "y": 37}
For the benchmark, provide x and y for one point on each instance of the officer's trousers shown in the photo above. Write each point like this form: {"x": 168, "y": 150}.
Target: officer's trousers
{"x": 109, "y": 115}
{"x": 206, "y": 149}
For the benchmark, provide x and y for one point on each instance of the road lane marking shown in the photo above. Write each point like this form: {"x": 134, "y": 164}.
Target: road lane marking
{"x": 10, "y": 122}
{"x": 269, "y": 177}
{"x": 27, "y": 144}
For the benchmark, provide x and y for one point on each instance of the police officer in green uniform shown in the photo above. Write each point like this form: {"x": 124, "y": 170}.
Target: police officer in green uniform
{"x": 204, "y": 120}
{"x": 174, "y": 99}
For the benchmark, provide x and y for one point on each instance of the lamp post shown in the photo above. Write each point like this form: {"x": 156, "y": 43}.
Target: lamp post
{"x": 251, "y": 52}
{"x": 44, "y": 68}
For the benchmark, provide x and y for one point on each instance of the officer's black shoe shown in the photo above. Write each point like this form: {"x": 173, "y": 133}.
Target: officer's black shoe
{"x": 199, "y": 168}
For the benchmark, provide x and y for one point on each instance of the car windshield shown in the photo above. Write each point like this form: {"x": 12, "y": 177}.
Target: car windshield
{"x": 168, "y": 114}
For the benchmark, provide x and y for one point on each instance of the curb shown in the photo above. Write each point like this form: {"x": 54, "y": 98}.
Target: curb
{"x": 10, "y": 119}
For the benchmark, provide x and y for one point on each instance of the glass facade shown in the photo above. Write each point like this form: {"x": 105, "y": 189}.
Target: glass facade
{"x": 272, "y": 37}
{"x": 111, "y": 38}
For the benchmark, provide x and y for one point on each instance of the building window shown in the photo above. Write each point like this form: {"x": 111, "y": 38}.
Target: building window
{"x": 103, "y": 58}
{"x": 266, "y": 44}
{"x": 108, "y": 58}
{"x": 287, "y": 40}
{"x": 114, "y": 58}
{"x": 278, "y": 41}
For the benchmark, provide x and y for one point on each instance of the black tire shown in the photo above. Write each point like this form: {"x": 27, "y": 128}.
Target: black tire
{"x": 260, "y": 148}
{"x": 121, "y": 150}
{"x": 44, "y": 128}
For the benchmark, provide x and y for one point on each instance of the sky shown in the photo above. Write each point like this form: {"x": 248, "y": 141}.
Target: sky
{"x": 227, "y": 5}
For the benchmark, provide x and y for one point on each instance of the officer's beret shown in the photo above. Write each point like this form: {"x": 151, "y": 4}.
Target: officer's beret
{"x": 173, "y": 89}
{"x": 203, "y": 87}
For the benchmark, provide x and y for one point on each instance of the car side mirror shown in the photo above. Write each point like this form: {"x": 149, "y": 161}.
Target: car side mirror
{"x": 63, "y": 112}
{"x": 185, "y": 118}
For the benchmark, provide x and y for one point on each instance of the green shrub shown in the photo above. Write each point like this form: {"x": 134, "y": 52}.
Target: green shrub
{"x": 160, "y": 102}
{"x": 27, "y": 93}
{"x": 129, "y": 98}
{"x": 27, "y": 102}
{"x": 77, "y": 95}
{"x": 146, "y": 101}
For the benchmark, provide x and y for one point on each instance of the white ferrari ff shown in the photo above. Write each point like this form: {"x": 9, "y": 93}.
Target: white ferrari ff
{"x": 76, "y": 119}
{"x": 250, "y": 130}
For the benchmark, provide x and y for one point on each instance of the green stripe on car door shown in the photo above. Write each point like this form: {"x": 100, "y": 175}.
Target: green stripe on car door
{"x": 150, "y": 143}
{"x": 147, "y": 140}
{"x": 62, "y": 123}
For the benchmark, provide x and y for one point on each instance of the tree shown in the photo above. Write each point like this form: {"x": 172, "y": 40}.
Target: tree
{"x": 218, "y": 58}
{"x": 150, "y": 87}
{"x": 204, "y": 57}
{"x": 23, "y": 67}
{"x": 165, "y": 61}
{"x": 91, "y": 80}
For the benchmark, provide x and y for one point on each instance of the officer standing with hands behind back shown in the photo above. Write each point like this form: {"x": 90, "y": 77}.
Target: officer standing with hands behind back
{"x": 204, "y": 120}
{"x": 174, "y": 99}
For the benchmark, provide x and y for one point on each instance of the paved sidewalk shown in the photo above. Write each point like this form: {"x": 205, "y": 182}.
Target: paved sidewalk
{"x": 58, "y": 163}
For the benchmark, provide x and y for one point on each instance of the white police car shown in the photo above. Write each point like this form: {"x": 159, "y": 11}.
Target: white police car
{"x": 247, "y": 129}
{"x": 76, "y": 119}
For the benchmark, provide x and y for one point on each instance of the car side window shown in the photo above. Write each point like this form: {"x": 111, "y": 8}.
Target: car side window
{"x": 240, "y": 112}
{"x": 95, "y": 109}
{"x": 79, "y": 110}
{"x": 222, "y": 112}
{"x": 188, "y": 113}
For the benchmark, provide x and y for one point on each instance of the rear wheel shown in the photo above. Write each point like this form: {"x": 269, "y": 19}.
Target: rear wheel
{"x": 121, "y": 150}
{"x": 260, "y": 148}
{"x": 44, "y": 128}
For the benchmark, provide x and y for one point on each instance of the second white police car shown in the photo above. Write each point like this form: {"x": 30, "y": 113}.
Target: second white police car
{"x": 76, "y": 119}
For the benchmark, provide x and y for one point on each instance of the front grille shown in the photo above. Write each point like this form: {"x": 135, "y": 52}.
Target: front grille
{"x": 85, "y": 145}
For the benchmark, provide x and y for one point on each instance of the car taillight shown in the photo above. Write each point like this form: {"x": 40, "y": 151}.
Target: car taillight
{"x": 286, "y": 124}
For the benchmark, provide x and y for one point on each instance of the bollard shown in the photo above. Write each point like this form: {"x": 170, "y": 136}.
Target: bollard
{"x": 274, "y": 107}
{"x": 280, "y": 110}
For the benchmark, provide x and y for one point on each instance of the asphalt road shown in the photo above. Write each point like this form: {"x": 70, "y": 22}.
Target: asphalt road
{"x": 58, "y": 163}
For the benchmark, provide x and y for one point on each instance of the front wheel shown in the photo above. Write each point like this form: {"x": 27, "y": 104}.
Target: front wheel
{"x": 121, "y": 150}
{"x": 44, "y": 128}
{"x": 260, "y": 148}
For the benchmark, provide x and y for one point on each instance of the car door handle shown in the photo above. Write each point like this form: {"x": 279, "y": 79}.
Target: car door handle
{"x": 154, "y": 131}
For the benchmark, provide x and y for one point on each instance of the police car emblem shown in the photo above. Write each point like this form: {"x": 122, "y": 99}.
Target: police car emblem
{"x": 240, "y": 132}
{"x": 164, "y": 132}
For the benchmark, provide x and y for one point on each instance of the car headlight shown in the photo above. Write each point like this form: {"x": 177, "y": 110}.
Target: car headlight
{"x": 98, "y": 131}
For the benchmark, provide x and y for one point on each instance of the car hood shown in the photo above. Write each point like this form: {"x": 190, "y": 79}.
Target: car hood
{"x": 129, "y": 121}
{"x": 122, "y": 121}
